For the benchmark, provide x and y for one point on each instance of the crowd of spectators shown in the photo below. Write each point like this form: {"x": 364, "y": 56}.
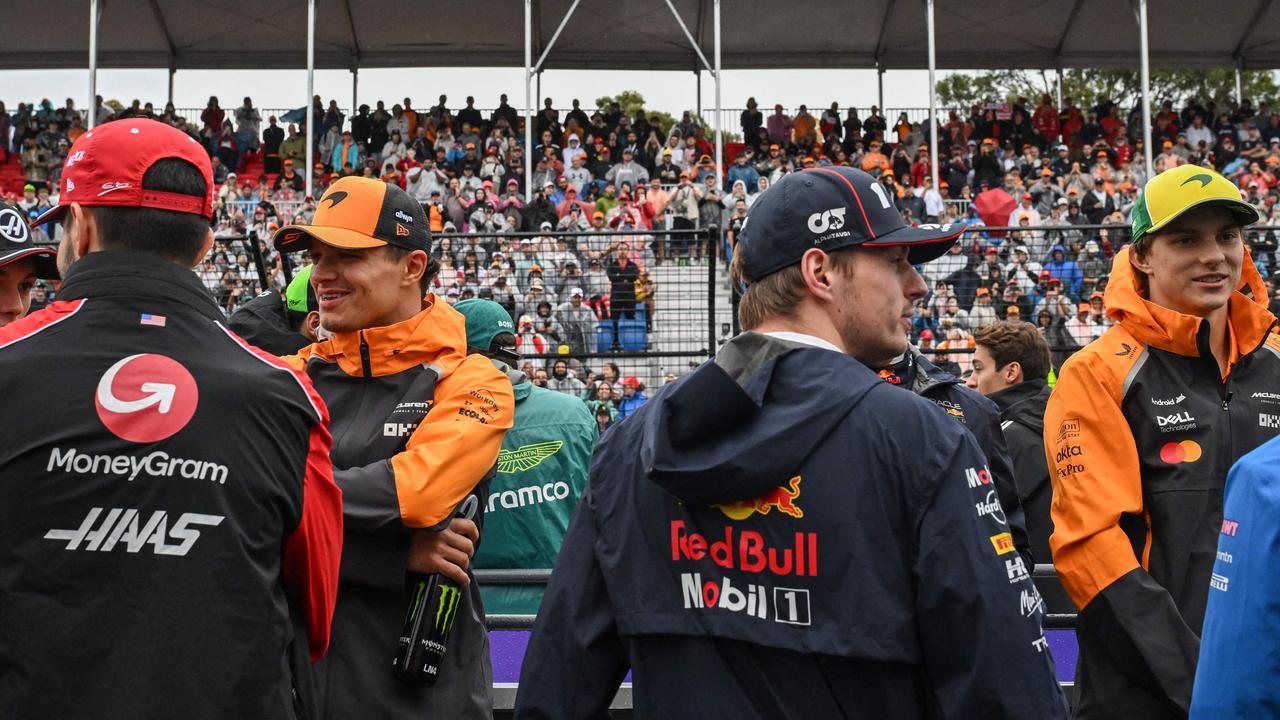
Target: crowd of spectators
{"x": 1073, "y": 173}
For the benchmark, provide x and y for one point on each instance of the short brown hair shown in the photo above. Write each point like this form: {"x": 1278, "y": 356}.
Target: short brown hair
{"x": 1016, "y": 341}
{"x": 776, "y": 294}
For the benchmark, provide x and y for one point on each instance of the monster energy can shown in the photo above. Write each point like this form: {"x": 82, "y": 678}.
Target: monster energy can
{"x": 433, "y": 607}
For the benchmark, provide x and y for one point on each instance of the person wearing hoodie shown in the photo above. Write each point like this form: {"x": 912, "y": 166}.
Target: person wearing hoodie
{"x": 542, "y": 467}
{"x": 767, "y": 536}
{"x": 742, "y": 171}
{"x": 418, "y": 426}
{"x": 1139, "y": 433}
{"x": 1011, "y": 368}
{"x": 1061, "y": 268}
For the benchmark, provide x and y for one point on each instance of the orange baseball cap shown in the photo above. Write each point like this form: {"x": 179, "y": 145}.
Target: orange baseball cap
{"x": 358, "y": 213}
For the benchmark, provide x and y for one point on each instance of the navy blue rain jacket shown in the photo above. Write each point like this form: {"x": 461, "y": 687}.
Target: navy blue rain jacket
{"x": 780, "y": 534}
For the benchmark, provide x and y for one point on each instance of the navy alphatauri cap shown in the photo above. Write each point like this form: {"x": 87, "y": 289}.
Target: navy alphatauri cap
{"x": 831, "y": 208}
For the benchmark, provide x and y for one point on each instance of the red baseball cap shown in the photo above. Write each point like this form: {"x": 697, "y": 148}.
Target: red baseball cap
{"x": 105, "y": 167}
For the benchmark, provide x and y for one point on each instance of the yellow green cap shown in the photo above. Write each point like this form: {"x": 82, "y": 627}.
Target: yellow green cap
{"x": 1175, "y": 191}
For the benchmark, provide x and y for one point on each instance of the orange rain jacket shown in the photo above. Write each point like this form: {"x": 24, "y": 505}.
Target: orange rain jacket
{"x": 1139, "y": 435}
{"x": 417, "y": 425}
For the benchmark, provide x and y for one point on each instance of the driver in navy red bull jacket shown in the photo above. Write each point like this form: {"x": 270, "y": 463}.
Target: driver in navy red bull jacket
{"x": 780, "y": 534}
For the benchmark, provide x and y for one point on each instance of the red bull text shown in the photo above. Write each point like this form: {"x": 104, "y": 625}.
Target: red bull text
{"x": 747, "y": 550}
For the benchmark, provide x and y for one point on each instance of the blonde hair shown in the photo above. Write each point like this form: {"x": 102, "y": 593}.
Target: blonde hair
{"x": 776, "y": 294}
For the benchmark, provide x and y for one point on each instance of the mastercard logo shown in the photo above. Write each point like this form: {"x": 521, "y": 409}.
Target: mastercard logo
{"x": 1187, "y": 451}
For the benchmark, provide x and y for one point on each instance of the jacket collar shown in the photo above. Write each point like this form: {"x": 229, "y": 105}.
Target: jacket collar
{"x": 143, "y": 276}
{"x": 1248, "y": 319}
{"x": 435, "y": 336}
{"x": 1023, "y": 391}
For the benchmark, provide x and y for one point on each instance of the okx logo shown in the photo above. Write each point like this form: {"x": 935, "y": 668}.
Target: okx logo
{"x": 146, "y": 398}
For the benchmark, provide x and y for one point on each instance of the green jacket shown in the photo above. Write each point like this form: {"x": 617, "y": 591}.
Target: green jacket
{"x": 542, "y": 470}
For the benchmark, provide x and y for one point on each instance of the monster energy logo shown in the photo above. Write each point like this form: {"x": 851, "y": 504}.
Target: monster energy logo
{"x": 448, "y": 610}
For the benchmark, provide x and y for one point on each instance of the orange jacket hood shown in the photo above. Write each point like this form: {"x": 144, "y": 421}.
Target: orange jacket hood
{"x": 435, "y": 336}
{"x": 1175, "y": 332}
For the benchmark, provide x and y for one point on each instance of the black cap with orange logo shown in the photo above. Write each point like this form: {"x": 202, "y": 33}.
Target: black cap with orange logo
{"x": 359, "y": 213}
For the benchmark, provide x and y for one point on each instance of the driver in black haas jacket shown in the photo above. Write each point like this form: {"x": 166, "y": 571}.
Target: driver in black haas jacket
{"x": 781, "y": 534}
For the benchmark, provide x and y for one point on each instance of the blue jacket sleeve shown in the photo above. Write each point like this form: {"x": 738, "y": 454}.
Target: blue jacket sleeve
{"x": 1238, "y": 674}
{"x": 977, "y": 610}
{"x": 575, "y": 660}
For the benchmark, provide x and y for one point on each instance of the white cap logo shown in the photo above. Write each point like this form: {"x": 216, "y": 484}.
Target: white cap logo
{"x": 13, "y": 227}
{"x": 821, "y": 222}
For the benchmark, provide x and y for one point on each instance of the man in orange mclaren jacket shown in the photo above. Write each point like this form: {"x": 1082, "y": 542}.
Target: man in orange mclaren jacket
{"x": 1139, "y": 435}
{"x": 417, "y": 426}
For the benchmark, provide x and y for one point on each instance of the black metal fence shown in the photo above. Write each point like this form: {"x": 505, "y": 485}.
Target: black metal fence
{"x": 611, "y": 305}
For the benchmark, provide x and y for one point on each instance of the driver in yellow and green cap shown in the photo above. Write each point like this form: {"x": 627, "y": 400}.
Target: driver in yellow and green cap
{"x": 281, "y": 324}
{"x": 1140, "y": 432}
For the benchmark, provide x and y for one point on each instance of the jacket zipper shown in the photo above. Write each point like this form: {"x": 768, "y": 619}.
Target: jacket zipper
{"x": 364, "y": 357}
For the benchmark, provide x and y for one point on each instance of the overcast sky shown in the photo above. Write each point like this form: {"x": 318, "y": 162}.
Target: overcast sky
{"x": 668, "y": 91}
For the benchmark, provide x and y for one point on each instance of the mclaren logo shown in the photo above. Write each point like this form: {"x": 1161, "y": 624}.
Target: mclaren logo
{"x": 334, "y": 198}
{"x": 832, "y": 219}
{"x": 1203, "y": 179}
{"x": 1125, "y": 350}
{"x": 527, "y": 457}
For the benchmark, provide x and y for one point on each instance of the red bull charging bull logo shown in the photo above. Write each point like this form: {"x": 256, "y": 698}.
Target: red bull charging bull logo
{"x": 782, "y": 498}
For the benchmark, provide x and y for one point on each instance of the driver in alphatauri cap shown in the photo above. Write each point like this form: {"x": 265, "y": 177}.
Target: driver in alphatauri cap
{"x": 783, "y": 534}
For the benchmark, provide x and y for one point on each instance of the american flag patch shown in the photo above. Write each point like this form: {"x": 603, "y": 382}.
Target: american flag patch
{"x": 154, "y": 320}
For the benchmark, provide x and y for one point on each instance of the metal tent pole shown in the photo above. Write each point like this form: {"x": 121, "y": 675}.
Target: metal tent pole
{"x": 697, "y": 100}
{"x": 1146, "y": 87}
{"x": 933, "y": 96}
{"x": 1239, "y": 82}
{"x": 355, "y": 86}
{"x": 311, "y": 84}
{"x": 172, "y": 72}
{"x": 528, "y": 100}
{"x": 719, "y": 137}
{"x": 880, "y": 88}
{"x": 94, "y": 11}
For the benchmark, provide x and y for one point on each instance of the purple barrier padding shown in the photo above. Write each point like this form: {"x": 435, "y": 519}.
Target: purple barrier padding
{"x": 1063, "y": 645}
{"x": 507, "y": 647}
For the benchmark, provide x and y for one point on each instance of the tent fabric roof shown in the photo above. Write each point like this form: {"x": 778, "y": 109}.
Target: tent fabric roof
{"x": 642, "y": 35}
